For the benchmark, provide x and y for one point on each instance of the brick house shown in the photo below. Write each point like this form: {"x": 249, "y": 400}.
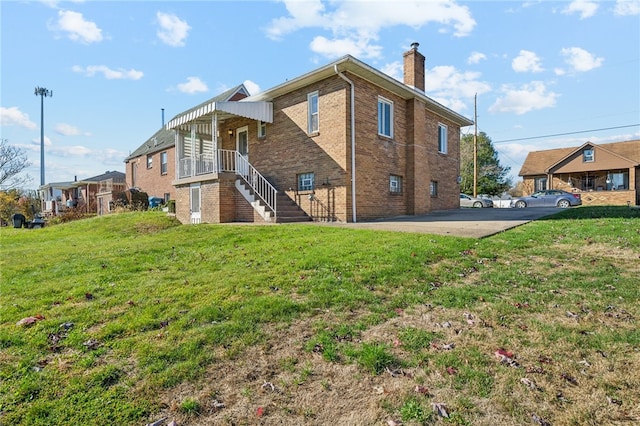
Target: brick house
{"x": 91, "y": 195}
{"x": 344, "y": 142}
{"x": 604, "y": 174}
{"x": 152, "y": 166}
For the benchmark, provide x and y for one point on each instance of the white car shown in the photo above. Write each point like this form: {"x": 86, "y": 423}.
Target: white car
{"x": 469, "y": 201}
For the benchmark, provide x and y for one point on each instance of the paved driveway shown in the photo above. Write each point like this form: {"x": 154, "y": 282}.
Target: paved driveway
{"x": 473, "y": 223}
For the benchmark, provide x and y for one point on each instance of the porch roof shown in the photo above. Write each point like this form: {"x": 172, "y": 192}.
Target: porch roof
{"x": 202, "y": 114}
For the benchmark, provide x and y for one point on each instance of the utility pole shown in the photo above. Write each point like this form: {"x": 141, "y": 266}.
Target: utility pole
{"x": 43, "y": 93}
{"x": 475, "y": 145}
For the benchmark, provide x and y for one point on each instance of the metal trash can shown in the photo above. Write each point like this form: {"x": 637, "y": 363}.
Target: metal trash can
{"x": 18, "y": 220}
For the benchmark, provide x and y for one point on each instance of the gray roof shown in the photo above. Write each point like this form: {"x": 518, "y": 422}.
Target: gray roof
{"x": 165, "y": 138}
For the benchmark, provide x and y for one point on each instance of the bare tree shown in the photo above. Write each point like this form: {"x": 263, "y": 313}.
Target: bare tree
{"x": 13, "y": 160}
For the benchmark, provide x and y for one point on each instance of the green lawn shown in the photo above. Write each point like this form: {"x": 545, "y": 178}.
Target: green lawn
{"x": 138, "y": 318}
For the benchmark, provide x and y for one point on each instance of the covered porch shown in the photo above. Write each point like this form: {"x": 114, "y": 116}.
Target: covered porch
{"x": 596, "y": 187}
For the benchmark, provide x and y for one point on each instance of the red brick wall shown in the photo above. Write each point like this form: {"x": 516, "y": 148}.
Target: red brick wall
{"x": 151, "y": 180}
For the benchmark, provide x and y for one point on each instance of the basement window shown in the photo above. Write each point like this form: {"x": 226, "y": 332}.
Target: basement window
{"x": 395, "y": 184}
{"x": 306, "y": 181}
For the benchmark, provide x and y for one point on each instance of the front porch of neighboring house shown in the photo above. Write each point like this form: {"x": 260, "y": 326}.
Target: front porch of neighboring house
{"x": 601, "y": 187}
{"x": 215, "y": 181}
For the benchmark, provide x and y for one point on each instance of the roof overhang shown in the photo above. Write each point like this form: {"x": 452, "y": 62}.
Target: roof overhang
{"x": 352, "y": 65}
{"x": 203, "y": 114}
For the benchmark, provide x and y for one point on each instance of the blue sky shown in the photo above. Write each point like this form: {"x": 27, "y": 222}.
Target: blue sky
{"x": 538, "y": 67}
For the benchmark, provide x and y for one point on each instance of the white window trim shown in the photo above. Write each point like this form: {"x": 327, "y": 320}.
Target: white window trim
{"x": 310, "y": 97}
{"x": 591, "y": 158}
{"x": 398, "y": 184}
{"x": 311, "y": 177}
{"x": 382, "y": 100}
{"x": 445, "y": 147}
{"x": 261, "y": 133}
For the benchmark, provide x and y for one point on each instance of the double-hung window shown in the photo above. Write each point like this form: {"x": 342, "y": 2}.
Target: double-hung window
{"x": 313, "y": 117}
{"x": 306, "y": 181}
{"x": 262, "y": 129}
{"x": 163, "y": 163}
{"x": 149, "y": 161}
{"x": 442, "y": 138}
{"x": 588, "y": 156}
{"x": 385, "y": 117}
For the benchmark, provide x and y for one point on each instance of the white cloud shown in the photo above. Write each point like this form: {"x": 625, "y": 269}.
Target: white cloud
{"x": 394, "y": 69}
{"x": 476, "y": 57}
{"x": 12, "y": 116}
{"x": 252, "y": 87}
{"x": 193, "y": 85}
{"x": 66, "y": 129}
{"x": 627, "y": 8}
{"x": 340, "y": 47}
{"x": 580, "y": 60}
{"x": 354, "y": 25}
{"x": 585, "y": 8}
{"x": 529, "y": 97}
{"x": 173, "y": 31}
{"x": 108, "y": 73}
{"x": 70, "y": 151}
{"x": 77, "y": 28}
{"x": 453, "y": 88}
{"x": 526, "y": 62}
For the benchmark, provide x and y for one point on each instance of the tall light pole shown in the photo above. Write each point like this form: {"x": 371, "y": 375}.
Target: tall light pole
{"x": 43, "y": 93}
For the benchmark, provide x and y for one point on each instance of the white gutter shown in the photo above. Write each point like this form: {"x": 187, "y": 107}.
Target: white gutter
{"x": 353, "y": 143}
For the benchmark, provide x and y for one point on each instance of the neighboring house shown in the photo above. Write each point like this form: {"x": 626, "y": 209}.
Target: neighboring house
{"x": 344, "y": 142}
{"x": 151, "y": 167}
{"x": 604, "y": 174}
{"x": 91, "y": 195}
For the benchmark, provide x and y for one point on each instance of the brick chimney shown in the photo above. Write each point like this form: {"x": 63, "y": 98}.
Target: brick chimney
{"x": 414, "y": 68}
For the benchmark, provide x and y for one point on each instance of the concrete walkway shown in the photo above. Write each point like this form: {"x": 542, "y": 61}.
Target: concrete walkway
{"x": 472, "y": 223}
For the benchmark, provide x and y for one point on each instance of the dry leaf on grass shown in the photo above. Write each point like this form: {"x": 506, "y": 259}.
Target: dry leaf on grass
{"x": 441, "y": 409}
{"x": 30, "y": 320}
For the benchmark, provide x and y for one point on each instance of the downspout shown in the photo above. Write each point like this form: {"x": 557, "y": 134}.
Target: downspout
{"x": 353, "y": 143}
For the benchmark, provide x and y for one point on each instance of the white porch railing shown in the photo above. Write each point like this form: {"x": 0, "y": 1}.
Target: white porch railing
{"x": 224, "y": 160}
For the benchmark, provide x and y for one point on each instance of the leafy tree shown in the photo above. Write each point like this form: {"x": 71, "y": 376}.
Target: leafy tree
{"x": 492, "y": 177}
{"x": 17, "y": 201}
{"x": 13, "y": 161}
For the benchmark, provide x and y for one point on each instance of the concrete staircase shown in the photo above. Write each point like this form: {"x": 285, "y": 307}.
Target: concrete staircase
{"x": 288, "y": 210}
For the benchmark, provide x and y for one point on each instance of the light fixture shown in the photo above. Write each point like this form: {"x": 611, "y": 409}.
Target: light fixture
{"x": 230, "y": 132}
{"x": 608, "y": 178}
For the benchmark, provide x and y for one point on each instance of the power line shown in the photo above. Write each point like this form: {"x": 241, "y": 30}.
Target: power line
{"x": 568, "y": 133}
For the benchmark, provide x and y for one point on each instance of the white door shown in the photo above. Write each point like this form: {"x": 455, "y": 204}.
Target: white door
{"x": 194, "y": 202}
{"x": 242, "y": 146}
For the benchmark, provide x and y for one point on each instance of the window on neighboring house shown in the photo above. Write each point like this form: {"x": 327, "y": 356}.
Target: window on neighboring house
{"x": 306, "y": 182}
{"x": 588, "y": 156}
{"x": 149, "y": 161}
{"x": 163, "y": 163}
{"x": 442, "y": 138}
{"x": 385, "y": 117}
{"x": 262, "y": 129}
{"x": 395, "y": 184}
{"x": 433, "y": 188}
{"x": 540, "y": 183}
{"x": 167, "y": 197}
{"x": 313, "y": 118}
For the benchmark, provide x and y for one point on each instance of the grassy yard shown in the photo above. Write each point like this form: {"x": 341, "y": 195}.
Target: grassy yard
{"x": 132, "y": 318}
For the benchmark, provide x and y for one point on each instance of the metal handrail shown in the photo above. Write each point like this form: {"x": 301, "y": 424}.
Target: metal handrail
{"x": 225, "y": 160}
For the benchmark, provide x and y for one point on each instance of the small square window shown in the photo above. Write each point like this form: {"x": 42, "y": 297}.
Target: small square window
{"x": 395, "y": 184}
{"x": 433, "y": 188}
{"x": 442, "y": 138}
{"x": 149, "y": 161}
{"x": 306, "y": 182}
{"x": 588, "y": 156}
{"x": 262, "y": 129}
